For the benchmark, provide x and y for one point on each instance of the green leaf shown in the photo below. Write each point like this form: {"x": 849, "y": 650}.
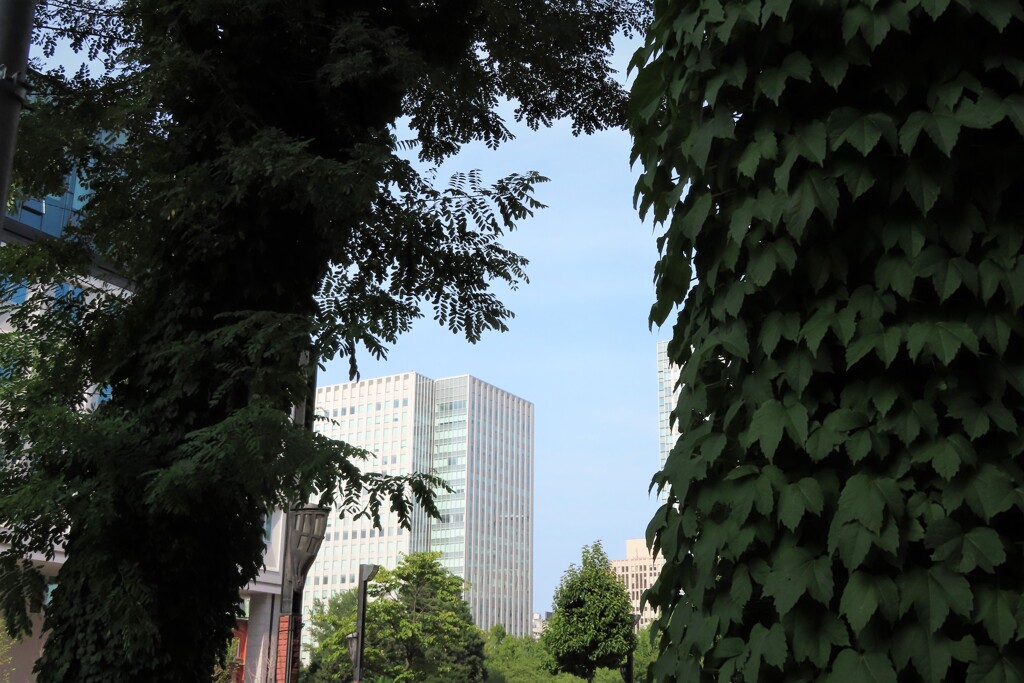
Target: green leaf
{"x": 695, "y": 213}
{"x": 935, "y": 8}
{"x": 772, "y": 81}
{"x": 861, "y": 131}
{"x": 795, "y": 571}
{"x": 767, "y": 644}
{"x": 931, "y": 655}
{"x": 933, "y": 593}
{"x": 853, "y": 667}
{"x": 764, "y": 146}
{"x": 982, "y": 548}
{"x": 766, "y": 427}
{"x": 851, "y": 542}
{"x": 796, "y": 499}
{"x": 998, "y": 12}
{"x": 995, "y": 611}
{"x": 921, "y": 187}
{"x": 833, "y": 69}
{"x": 991, "y": 666}
{"x": 814, "y": 634}
{"x": 942, "y": 455}
{"x": 815, "y": 191}
{"x": 895, "y": 272}
{"x": 865, "y": 498}
{"x": 860, "y": 600}
{"x": 990, "y": 491}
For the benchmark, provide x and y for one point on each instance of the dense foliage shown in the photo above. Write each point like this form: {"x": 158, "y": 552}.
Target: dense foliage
{"x": 592, "y": 623}
{"x": 245, "y": 181}
{"x": 844, "y": 200}
{"x": 418, "y": 629}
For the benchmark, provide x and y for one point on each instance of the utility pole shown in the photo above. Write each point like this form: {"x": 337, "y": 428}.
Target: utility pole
{"x": 15, "y": 36}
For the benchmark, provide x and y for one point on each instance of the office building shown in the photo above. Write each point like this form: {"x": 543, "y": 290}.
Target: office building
{"x": 668, "y": 395}
{"x": 638, "y": 572}
{"x": 476, "y": 437}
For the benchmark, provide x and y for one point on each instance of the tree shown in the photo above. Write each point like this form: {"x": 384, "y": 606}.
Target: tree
{"x": 245, "y": 178}
{"x": 592, "y": 623}
{"x": 843, "y": 230}
{"x": 419, "y": 626}
{"x": 329, "y": 626}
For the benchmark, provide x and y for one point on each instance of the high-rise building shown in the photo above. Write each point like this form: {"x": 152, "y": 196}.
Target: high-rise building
{"x": 638, "y": 572}
{"x": 668, "y": 395}
{"x": 476, "y": 437}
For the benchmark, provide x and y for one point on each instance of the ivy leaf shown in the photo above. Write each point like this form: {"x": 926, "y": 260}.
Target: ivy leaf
{"x": 935, "y": 8}
{"x": 991, "y": 666}
{"x": 796, "y": 499}
{"x": 931, "y": 655}
{"x": 764, "y": 146}
{"x": 772, "y": 81}
{"x": 861, "y": 131}
{"x": 995, "y": 611}
{"x": 766, "y": 427}
{"x": 862, "y": 596}
{"x": 814, "y": 634}
{"x": 795, "y": 571}
{"x": 814, "y": 191}
{"x": 853, "y": 667}
{"x": 865, "y": 498}
{"x": 767, "y": 644}
{"x": 934, "y": 593}
{"x": 983, "y": 548}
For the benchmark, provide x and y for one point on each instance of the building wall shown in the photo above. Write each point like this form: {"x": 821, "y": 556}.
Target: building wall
{"x": 668, "y": 395}
{"x": 476, "y": 437}
{"x": 638, "y": 572}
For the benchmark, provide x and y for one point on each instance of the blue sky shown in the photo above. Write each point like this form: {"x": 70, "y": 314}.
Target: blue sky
{"x": 579, "y": 347}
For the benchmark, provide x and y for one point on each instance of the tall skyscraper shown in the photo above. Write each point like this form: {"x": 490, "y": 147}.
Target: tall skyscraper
{"x": 473, "y": 435}
{"x": 668, "y": 395}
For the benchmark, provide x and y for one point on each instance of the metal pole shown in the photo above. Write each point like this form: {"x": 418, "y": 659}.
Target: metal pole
{"x": 15, "y": 37}
{"x": 360, "y": 628}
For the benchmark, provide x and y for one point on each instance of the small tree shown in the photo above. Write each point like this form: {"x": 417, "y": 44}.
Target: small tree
{"x": 419, "y": 626}
{"x": 592, "y": 626}
{"x": 329, "y": 625}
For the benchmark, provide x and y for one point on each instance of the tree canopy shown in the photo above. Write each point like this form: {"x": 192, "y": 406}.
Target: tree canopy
{"x": 592, "y": 623}
{"x": 418, "y": 628}
{"x": 842, "y": 209}
{"x": 244, "y": 177}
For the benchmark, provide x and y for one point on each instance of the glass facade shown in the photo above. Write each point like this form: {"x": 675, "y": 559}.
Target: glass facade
{"x": 476, "y": 437}
{"x": 54, "y": 212}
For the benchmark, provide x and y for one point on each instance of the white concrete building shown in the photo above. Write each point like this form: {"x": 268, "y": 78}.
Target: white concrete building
{"x": 668, "y": 395}
{"x": 638, "y": 572}
{"x": 476, "y": 437}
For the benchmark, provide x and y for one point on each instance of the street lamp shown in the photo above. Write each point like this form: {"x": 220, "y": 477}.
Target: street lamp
{"x": 307, "y": 526}
{"x": 15, "y": 37}
{"x": 355, "y": 649}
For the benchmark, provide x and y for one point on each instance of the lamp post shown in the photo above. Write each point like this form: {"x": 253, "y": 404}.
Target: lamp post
{"x": 307, "y": 526}
{"x": 357, "y": 641}
{"x": 15, "y": 36}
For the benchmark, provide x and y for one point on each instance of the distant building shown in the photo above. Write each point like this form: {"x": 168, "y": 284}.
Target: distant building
{"x": 668, "y": 395}
{"x": 473, "y": 435}
{"x": 540, "y": 622}
{"x": 638, "y": 572}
